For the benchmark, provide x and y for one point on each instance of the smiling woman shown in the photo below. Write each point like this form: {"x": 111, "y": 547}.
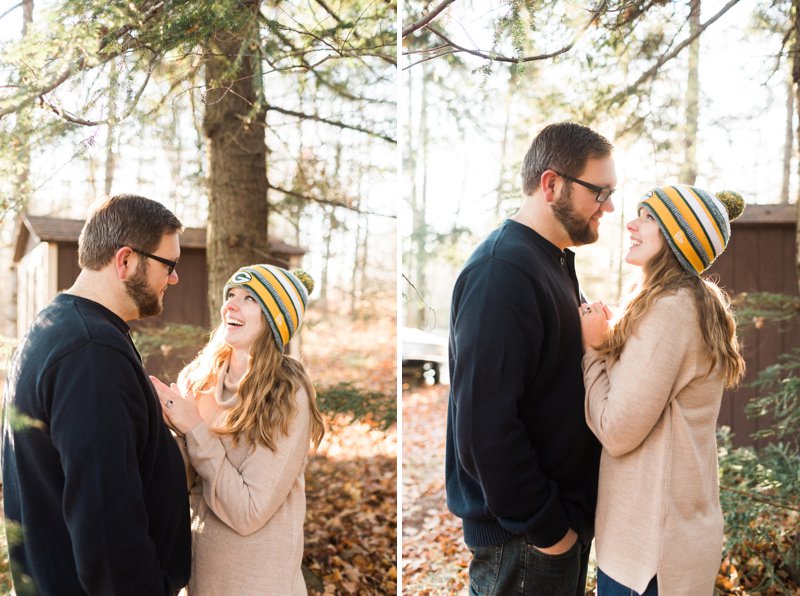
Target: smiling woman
{"x": 654, "y": 382}
{"x": 245, "y": 416}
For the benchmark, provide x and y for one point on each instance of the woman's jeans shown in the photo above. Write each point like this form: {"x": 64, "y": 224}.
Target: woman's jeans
{"x": 606, "y": 586}
{"x": 515, "y": 567}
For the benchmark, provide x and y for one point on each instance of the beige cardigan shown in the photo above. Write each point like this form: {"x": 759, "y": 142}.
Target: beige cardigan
{"x": 248, "y": 507}
{"x": 655, "y": 413}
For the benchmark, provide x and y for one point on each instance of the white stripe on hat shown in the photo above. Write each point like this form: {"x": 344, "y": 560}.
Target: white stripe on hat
{"x": 708, "y": 224}
{"x": 291, "y": 290}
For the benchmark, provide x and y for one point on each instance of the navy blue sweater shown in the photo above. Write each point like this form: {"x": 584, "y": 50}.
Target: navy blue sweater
{"x": 520, "y": 459}
{"x": 99, "y": 487}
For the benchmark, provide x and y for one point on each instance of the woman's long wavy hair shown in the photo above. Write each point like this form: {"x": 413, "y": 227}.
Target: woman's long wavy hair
{"x": 663, "y": 275}
{"x": 266, "y": 391}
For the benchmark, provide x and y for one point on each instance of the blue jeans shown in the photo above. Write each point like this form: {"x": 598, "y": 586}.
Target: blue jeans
{"x": 515, "y": 567}
{"x": 607, "y": 586}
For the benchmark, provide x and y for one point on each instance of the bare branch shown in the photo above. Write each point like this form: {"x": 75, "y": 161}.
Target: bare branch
{"x": 653, "y": 70}
{"x": 332, "y": 123}
{"x": 13, "y": 8}
{"x": 329, "y": 11}
{"x": 760, "y": 499}
{"x": 330, "y": 202}
{"x": 408, "y": 30}
{"x": 440, "y": 54}
{"x": 73, "y": 119}
{"x": 596, "y": 13}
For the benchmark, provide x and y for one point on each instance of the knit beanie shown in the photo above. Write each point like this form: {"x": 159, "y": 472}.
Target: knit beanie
{"x": 695, "y": 223}
{"x": 282, "y": 295}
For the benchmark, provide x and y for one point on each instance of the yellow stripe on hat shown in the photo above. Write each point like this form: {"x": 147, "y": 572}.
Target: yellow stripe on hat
{"x": 711, "y": 219}
{"x": 677, "y": 235}
{"x": 688, "y": 213}
{"x": 281, "y": 286}
{"x": 269, "y": 302}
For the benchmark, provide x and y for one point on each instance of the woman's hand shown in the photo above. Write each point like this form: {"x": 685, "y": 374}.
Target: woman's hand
{"x": 180, "y": 413}
{"x": 594, "y": 323}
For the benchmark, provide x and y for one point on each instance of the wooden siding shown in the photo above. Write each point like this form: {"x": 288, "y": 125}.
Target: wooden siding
{"x": 759, "y": 258}
{"x": 183, "y": 303}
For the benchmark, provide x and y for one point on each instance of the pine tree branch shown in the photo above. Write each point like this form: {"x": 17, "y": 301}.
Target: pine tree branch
{"x": 329, "y": 202}
{"x": 82, "y": 63}
{"x": 336, "y": 123}
{"x": 759, "y": 499}
{"x": 409, "y": 29}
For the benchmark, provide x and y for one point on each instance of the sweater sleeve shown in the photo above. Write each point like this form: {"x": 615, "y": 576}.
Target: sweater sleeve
{"x": 98, "y": 424}
{"x": 245, "y": 498}
{"x": 622, "y": 414}
{"x": 497, "y": 333}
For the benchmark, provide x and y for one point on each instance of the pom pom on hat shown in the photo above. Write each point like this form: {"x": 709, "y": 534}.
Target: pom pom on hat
{"x": 695, "y": 223}
{"x": 282, "y": 295}
{"x": 733, "y": 201}
{"x": 305, "y": 279}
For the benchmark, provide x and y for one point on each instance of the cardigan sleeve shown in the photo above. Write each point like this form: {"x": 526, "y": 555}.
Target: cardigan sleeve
{"x": 621, "y": 414}
{"x": 245, "y": 498}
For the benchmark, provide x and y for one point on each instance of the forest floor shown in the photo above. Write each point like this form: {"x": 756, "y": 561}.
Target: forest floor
{"x": 435, "y": 558}
{"x": 351, "y": 481}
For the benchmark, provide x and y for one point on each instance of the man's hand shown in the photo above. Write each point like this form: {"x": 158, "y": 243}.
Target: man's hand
{"x": 562, "y": 546}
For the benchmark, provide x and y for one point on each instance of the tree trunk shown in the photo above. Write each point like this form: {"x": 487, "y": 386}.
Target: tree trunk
{"x": 512, "y": 86}
{"x": 420, "y": 219}
{"x": 356, "y": 262}
{"x": 788, "y": 143}
{"x": 113, "y": 84}
{"x": 689, "y": 167}
{"x": 410, "y": 167}
{"x": 796, "y": 82}
{"x": 328, "y": 223}
{"x": 23, "y": 123}
{"x": 234, "y": 125}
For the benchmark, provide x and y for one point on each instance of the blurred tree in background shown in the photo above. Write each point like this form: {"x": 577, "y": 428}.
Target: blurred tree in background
{"x": 222, "y": 96}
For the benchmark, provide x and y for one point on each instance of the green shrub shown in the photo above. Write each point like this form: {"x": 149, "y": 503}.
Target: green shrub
{"x": 361, "y": 404}
{"x": 760, "y": 487}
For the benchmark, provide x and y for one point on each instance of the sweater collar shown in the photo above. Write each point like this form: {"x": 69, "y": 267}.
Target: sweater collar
{"x": 98, "y": 308}
{"x": 563, "y": 257}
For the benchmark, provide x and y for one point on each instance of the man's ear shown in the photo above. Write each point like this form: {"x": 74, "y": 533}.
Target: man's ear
{"x": 548, "y": 185}
{"x": 125, "y": 262}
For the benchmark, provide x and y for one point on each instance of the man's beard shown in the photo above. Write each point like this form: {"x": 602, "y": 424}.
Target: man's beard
{"x": 146, "y": 300}
{"x": 580, "y": 231}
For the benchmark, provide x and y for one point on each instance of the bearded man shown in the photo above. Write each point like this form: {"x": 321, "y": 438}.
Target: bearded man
{"x": 91, "y": 475}
{"x": 521, "y": 463}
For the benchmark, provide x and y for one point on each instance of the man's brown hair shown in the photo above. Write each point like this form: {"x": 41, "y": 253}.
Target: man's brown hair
{"x": 124, "y": 220}
{"x": 564, "y": 147}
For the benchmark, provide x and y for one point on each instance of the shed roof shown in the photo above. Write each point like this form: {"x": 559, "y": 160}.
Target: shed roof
{"x": 66, "y": 231}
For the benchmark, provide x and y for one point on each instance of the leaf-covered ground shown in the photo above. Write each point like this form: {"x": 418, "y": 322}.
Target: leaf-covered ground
{"x": 435, "y": 558}
{"x": 351, "y": 482}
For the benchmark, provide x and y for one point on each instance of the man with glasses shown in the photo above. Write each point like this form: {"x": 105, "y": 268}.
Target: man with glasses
{"x": 91, "y": 474}
{"x": 521, "y": 463}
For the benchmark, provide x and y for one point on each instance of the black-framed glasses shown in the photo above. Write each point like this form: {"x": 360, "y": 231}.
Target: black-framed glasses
{"x": 603, "y": 194}
{"x": 170, "y": 264}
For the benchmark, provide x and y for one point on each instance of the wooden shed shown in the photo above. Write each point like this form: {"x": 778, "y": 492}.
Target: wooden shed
{"x": 760, "y": 258}
{"x": 46, "y": 260}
